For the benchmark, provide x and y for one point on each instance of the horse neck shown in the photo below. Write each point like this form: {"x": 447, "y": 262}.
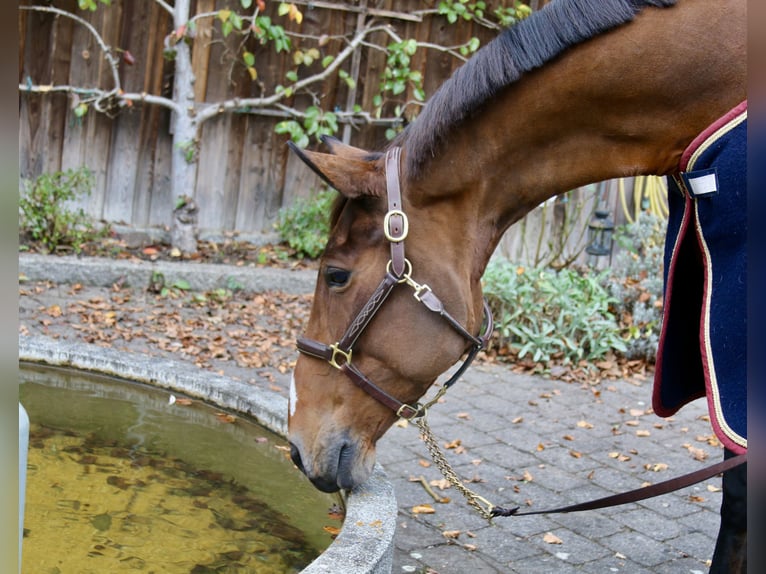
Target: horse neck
{"x": 618, "y": 105}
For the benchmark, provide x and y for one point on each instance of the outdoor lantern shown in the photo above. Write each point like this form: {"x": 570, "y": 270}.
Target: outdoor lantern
{"x": 600, "y": 232}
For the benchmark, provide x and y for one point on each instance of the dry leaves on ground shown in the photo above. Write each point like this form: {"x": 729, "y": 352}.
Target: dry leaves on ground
{"x": 251, "y": 331}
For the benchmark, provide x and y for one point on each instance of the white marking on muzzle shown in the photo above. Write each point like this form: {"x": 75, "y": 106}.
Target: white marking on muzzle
{"x": 293, "y": 395}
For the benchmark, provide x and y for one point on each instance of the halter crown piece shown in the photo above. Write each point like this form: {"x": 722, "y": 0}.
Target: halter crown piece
{"x": 398, "y": 272}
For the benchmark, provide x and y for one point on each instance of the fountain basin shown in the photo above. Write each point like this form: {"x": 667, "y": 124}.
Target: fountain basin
{"x": 365, "y": 542}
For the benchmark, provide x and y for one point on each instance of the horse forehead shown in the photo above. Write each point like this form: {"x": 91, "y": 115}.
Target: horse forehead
{"x": 358, "y": 226}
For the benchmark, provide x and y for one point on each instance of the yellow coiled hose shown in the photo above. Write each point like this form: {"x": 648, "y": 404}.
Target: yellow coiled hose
{"x": 651, "y": 188}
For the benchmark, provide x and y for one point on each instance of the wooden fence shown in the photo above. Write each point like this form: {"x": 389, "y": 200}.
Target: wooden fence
{"x": 244, "y": 171}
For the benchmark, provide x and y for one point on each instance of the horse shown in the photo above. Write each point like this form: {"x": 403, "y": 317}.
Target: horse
{"x": 580, "y": 92}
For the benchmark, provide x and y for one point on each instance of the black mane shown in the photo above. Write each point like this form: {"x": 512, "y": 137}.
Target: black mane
{"x": 521, "y": 48}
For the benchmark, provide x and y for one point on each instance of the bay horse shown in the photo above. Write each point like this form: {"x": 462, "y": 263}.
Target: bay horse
{"x": 581, "y": 91}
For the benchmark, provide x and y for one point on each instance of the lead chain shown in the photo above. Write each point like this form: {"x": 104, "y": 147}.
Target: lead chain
{"x": 478, "y": 502}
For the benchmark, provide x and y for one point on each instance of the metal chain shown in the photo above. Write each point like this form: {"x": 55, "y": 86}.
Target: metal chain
{"x": 483, "y": 506}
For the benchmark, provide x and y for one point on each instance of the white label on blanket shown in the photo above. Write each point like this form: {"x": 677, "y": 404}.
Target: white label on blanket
{"x": 701, "y": 183}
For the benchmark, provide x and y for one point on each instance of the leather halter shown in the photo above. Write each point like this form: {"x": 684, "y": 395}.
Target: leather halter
{"x": 398, "y": 272}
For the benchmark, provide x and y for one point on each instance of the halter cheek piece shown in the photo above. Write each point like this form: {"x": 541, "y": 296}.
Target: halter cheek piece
{"x": 398, "y": 272}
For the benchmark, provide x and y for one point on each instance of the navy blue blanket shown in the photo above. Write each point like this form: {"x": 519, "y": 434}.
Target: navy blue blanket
{"x": 703, "y": 343}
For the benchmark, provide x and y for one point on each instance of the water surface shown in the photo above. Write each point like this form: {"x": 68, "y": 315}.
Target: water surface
{"x": 120, "y": 480}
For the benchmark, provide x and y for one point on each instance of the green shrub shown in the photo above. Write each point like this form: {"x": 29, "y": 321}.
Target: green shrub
{"x": 305, "y": 225}
{"x": 44, "y": 215}
{"x": 636, "y": 284}
{"x": 549, "y": 314}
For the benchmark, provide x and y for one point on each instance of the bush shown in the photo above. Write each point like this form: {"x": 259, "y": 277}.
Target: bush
{"x": 551, "y": 314}
{"x": 305, "y": 226}
{"x": 636, "y": 284}
{"x": 44, "y": 216}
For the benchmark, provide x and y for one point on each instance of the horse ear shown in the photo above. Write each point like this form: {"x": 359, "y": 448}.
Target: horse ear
{"x": 350, "y": 173}
{"x": 337, "y": 147}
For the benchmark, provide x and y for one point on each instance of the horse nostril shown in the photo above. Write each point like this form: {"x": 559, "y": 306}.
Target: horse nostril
{"x": 295, "y": 455}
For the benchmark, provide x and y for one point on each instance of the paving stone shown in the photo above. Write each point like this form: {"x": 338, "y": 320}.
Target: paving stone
{"x": 651, "y": 524}
{"x": 639, "y": 548}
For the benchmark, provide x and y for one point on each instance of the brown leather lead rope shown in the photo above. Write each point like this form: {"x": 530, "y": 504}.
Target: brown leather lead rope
{"x": 635, "y": 495}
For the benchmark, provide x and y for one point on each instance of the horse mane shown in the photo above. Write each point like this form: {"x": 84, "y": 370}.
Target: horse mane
{"x": 529, "y": 44}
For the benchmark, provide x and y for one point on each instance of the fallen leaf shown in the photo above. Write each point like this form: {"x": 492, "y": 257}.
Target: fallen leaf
{"x": 423, "y": 509}
{"x": 656, "y": 467}
{"x": 696, "y": 498}
{"x": 464, "y": 416}
{"x": 527, "y": 476}
{"x": 643, "y": 433}
{"x": 453, "y": 444}
{"x": 54, "y": 311}
{"x": 226, "y": 418}
{"x": 584, "y": 425}
{"x": 452, "y": 534}
{"x": 518, "y": 420}
{"x": 713, "y": 488}
{"x": 441, "y": 484}
{"x": 551, "y": 538}
{"x": 697, "y": 453}
{"x": 424, "y": 463}
{"x": 332, "y": 530}
{"x": 575, "y": 454}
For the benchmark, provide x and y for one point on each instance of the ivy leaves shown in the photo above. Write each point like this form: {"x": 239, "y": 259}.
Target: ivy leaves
{"x": 91, "y": 5}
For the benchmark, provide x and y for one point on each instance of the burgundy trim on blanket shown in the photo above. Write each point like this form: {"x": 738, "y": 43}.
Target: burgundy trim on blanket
{"x": 707, "y": 132}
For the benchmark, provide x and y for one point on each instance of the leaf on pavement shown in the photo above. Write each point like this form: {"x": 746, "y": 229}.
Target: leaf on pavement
{"x": 551, "y": 538}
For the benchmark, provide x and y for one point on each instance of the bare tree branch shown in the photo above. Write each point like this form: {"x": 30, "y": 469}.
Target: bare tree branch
{"x": 99, "y": 40}
{"x": 213, "y": 110}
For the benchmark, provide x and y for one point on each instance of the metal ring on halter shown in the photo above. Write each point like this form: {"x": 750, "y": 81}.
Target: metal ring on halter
{"x": 407, "y": 271}
{"x": 338, "y": 351}
{"x": 387, "y": 226}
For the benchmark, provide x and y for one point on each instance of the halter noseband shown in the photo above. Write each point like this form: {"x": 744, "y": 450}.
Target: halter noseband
{"x": 398, "y": 271}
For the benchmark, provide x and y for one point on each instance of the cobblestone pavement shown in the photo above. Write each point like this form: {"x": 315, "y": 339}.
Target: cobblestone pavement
{"x": 532, "y": 442}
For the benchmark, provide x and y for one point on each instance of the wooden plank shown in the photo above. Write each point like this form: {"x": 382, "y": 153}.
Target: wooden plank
{"x": 201, "y": 49}
{"x": 259, "y": 173}
{"x": 150, "y": 63}
{"x": 87, "y": 140}
{"x": 161, "y": 199}
{"x": 211, "y": 173}
{"x": 235, "y": 137}
{"x": 121, "y": 173}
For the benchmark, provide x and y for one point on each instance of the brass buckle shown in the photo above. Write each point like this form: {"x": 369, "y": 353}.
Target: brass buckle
{"x": 338, "y": 351}
{"x": 387, "y": 226}
{"x": 414, "y": 411}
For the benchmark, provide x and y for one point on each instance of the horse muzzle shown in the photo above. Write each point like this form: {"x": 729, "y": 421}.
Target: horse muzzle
{"x": 343, "y": 465}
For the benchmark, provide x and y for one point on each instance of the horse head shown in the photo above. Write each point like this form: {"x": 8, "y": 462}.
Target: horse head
{"x": 384, "y": 324}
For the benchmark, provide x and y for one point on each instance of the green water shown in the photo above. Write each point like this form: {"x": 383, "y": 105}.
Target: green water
{"x": 119, "y": 480}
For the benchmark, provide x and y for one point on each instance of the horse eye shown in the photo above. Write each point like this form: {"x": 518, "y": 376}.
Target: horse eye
{"x": 336, "y": 277}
